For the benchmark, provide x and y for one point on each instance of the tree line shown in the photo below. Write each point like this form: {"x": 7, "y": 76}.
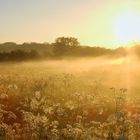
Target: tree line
{"x": 62, "y": 47}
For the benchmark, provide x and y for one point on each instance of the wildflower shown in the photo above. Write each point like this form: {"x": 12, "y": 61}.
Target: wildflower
{"x": 15, "y": 86}
{"x": 3, "y": 96}
{"x": 10, "y": 86}
{"x": 37, "y": 95}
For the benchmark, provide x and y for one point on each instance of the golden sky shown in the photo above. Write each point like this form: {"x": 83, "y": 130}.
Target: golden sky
{"x": 106, "y": 23}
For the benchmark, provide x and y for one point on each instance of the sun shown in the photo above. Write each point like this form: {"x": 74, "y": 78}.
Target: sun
{"x": 127, "y": 27}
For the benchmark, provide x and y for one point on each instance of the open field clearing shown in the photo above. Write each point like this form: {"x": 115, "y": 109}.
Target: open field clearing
{"x": 77, "y": 99}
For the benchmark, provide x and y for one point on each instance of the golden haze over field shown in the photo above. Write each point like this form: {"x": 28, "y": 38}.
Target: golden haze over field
{"x": 82, "y": 83}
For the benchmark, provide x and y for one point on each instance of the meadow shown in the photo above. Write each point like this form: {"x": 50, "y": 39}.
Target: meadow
{"x": 70, "y": 99}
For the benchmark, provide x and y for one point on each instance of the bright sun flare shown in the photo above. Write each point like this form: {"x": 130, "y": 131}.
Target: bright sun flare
{"x": 127, "y": 27}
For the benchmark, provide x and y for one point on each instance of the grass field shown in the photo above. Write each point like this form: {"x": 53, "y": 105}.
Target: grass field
{"x": 73, "y": 99}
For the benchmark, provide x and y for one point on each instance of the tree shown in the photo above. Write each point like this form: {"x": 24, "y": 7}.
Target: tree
{"x": 65, "y": 45}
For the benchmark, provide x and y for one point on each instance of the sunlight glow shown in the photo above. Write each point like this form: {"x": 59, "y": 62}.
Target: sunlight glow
{"x": 127, "y": 27}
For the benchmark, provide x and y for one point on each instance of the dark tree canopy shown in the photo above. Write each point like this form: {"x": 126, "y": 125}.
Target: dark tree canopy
{"x": 67, "y": 41}
{"x": 65, "y": 45}
{"x": 61, "y": 48}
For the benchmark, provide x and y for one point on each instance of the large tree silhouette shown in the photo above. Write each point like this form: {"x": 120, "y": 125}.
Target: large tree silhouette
{"x": 65, "y": 45}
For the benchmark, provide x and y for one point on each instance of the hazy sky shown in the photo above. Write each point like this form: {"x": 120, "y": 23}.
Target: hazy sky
{"x": 91, "y": 21}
